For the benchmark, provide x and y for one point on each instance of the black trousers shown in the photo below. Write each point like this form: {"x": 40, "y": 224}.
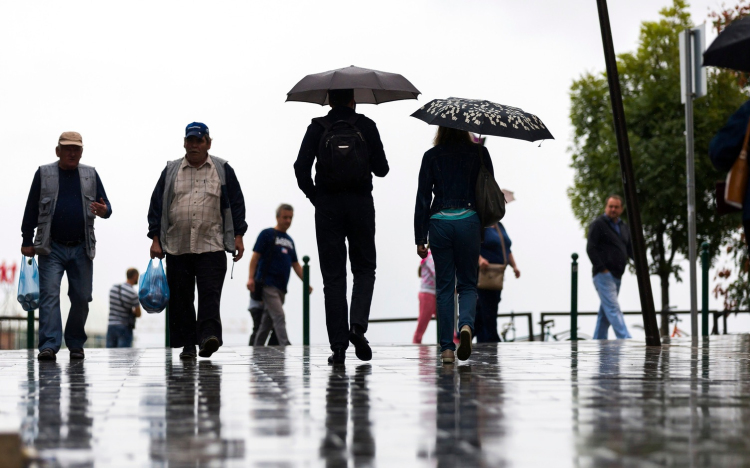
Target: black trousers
{"x": 339, "y": 218}
{"x": 207, "y": 270}
{"x": 485, "y": 323}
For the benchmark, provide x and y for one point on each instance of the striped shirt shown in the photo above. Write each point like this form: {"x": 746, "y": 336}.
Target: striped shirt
{"x": 195, "y": 212}
{"x": 122, "y": 300}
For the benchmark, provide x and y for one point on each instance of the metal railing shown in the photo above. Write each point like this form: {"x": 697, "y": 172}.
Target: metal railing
{"x": 718, "y": 314}
{"x": 512, "y": 316}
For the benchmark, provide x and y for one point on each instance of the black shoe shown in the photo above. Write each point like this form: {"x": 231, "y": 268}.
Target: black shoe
{"x": 188, "y": 352}
{"x": 464, "y": 348}
{"x": 47, "y": 354}
{"x": 77, "y": 353}
{"x": 361, "y": 348}
{"x": 209, "y": 346}
{"x": 338, "y": 356}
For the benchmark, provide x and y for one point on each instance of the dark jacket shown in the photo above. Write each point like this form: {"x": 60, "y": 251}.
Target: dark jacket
{"x": 449, "y": 171}
{"x": 607, "y": 250}
{"x": 231, "y": 196}
{"x": 727, "y": 144}
{"x": 309, "y": 151}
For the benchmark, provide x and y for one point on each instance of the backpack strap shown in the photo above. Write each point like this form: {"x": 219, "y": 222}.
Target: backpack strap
{"x": 352, "y": 120}
{"x": 323, "y": 122}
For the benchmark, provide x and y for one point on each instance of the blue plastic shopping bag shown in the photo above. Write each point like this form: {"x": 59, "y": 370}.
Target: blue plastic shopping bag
{"x": 153, "y": 291}
{"x": 28, "y": 284}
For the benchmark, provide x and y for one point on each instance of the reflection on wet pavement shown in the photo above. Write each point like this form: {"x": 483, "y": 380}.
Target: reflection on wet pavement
{"x": 589, "y": 403}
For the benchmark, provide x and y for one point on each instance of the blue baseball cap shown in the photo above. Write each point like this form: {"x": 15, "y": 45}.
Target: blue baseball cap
{"x": 196, "y": 129}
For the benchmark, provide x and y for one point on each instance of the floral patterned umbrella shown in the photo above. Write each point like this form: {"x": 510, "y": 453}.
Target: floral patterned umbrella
{"x": 484, "y": 118}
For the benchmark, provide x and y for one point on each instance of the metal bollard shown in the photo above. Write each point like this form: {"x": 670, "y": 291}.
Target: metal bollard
{"x": 574, "y": 298}
{"x": 306, "y": 301}
{"x": 706, "y": 265}
{"x": 30, "y": 330}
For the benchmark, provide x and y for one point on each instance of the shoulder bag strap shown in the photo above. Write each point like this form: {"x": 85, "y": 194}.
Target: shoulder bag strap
{"x": 502, "y": 242}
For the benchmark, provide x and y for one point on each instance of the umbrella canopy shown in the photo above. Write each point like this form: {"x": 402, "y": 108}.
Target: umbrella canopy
{"x": 731, "y": 48}
{"x": 484, "y": 117}
{"x": 370, "y": 86}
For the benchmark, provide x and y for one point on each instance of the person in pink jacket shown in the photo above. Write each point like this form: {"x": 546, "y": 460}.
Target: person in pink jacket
{"x": 427, "y": 303}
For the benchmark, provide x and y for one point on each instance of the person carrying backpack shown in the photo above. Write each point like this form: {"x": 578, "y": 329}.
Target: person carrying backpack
{"x": 348, "y": 151}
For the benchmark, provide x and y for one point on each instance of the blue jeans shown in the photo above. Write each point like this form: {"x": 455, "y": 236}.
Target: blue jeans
{"x": 455, "y": 249}
{"x": 608, "y": 287}
{"x": 80, "y": 270}
{"x": 119, "y": 336}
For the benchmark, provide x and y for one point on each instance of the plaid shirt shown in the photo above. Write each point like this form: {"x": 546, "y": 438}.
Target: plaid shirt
{"x": 195, "y": 212}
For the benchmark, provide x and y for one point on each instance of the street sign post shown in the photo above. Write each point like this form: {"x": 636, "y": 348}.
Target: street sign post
{"x": 692, "y": 85}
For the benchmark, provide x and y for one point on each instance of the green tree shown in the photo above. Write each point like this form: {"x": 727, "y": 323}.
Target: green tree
{"x": 650, "y": 81}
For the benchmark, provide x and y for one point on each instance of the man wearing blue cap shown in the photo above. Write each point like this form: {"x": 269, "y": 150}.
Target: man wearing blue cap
{"x": 197, "y": 213}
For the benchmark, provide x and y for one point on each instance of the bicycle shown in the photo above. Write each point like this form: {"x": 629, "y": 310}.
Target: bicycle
{"x": 560, "y": 336}
{"x": 676, "y": 331}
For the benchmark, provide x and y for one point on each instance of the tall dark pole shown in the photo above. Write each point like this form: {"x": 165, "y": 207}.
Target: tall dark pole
{"x": 628, "y": 181}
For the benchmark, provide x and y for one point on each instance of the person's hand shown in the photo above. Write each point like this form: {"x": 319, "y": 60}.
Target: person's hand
{"x": 422, "y": 251}
{"x": 156, "y": 251}
{"x": 99, "y": 209}
{"x": 251, "y": 285}
{"x": 310, "y": 289}
{"x": 239, "y": 248}
{"x": 29, "y": 251}
{"x": 483, "y": 263}
{"x": 605, "y": 271}
{"x": 517, "y": 272}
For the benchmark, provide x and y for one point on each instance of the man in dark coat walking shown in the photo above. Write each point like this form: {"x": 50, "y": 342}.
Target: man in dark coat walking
{"x": 344, "y": 211}
{"x": 609, "y": 248}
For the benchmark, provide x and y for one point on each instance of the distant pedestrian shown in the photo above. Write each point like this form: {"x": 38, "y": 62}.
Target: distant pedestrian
{"x": 64, "y": 200}
{"x": 124, "y": 309}
{"x": 427, "y": 304}
{"x": 609, "y": 248}
{"x": 724, "y": 149}
{"x": 495, "y": 251}
{"x": 449, "y": 171}
{"x": 197, "y": 213}
{"x": 274, "y": 255}
{"x": 348, "y": 150}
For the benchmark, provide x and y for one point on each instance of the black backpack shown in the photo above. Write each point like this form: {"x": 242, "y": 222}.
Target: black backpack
{"x": 343, "y": 158}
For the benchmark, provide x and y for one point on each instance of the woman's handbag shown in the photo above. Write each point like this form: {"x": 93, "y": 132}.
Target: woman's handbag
{"x": 490, "y": 199}
{"x": 734, "y": 192}
{"x": 492, "y": 278}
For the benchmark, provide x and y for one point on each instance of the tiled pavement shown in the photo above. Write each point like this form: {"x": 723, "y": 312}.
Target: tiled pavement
{"x": 589, "y": 403}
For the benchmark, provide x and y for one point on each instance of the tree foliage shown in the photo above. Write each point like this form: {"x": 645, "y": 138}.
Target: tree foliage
{"x": 650, "y": 81}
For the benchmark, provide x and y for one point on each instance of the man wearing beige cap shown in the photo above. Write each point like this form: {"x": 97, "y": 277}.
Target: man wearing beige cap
{"x": 64, "y": 200}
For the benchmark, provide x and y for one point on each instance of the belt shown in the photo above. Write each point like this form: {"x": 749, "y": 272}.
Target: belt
{"x": 68, "y": 243}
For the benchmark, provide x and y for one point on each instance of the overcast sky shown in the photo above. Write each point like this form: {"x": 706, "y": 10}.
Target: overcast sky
{"x": 130, "y": 76}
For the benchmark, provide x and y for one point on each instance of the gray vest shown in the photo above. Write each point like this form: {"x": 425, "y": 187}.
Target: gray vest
{"x": 50, "y": 178}
{"x": 172, "y": 168}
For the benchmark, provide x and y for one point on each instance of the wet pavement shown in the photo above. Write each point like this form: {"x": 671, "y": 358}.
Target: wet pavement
{"x": 589, "y": 403}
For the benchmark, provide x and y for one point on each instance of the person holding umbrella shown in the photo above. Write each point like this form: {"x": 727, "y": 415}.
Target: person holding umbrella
{"x": 449, "y": 170}
{"x": 455, "y": 216}
{"x": 729, "y": 146}
{"x": 346, "y": 149}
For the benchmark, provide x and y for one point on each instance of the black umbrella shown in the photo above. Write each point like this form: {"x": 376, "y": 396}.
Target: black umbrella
{"x": 370, "y": 86}
{"x": 483, "y": 117}
{"x": 731, "y": 49}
